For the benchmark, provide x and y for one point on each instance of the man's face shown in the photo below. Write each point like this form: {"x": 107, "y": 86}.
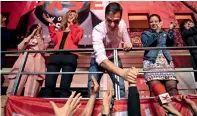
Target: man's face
{"x": 113, "y": 20}
{"x": 188, "y": 24}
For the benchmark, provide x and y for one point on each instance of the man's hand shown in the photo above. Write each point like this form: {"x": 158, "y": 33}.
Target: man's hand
{"x": 127, "y": 46}
{"x": 131, "y": 75}
{"x": 69, "y": 108}
{"x": 94, "y": 87}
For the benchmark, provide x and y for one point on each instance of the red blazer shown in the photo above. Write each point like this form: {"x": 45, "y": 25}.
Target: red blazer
{"x": 72, "y": 40}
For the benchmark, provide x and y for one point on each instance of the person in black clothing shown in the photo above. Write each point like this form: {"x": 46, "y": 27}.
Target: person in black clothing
{"x": 189, "y": 35}
{"x": 5, "y": 40}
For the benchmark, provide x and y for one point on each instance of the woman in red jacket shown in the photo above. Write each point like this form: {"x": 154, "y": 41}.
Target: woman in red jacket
{"x": 67, "y": 37}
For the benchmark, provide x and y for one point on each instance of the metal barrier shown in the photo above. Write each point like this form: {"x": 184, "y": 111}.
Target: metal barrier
{"x": 107, "y": 49}
{"x": 115, "y": 51}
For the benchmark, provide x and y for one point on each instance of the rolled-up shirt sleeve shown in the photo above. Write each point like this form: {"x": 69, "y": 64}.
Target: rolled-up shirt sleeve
{"x": 98, "y": 46}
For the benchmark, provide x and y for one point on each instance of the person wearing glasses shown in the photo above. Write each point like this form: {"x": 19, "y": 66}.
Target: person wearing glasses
{"x": 109, "y": 34}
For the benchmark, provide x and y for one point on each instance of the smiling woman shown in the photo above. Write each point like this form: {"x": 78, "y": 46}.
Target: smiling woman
{"x": 86, "y": 18}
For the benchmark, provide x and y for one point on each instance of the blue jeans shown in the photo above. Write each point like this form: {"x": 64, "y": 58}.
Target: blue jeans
{"x": 94, "y": 67}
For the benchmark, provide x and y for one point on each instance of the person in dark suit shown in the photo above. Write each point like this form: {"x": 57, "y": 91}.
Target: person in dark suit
{"x": 189, "y": 35}
{"x": 5, "y": 40}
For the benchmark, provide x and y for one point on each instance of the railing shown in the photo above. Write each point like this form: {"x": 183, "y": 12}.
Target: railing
{"x": 115, "y": 51}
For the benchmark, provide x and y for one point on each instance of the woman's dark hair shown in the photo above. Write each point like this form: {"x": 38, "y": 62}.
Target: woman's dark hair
{"x": 31, "y": 29}
{"x": 113, "y": 7}
{"x": 154, "y": 15}
{"x": 183, "y": 23}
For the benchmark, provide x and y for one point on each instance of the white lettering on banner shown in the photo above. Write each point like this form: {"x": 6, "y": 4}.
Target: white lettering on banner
{"x": 15, "y": 114}
{"x": 57, "y": 25}
{"x": 52, "y": 18}
{"x": 59, "y": 19}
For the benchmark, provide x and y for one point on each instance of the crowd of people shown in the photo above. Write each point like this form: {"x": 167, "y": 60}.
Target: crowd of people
{"x": 110, "y": 33}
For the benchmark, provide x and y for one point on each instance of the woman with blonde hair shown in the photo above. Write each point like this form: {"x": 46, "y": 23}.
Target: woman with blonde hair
{"x": 67, "y": 37}
{"x": 35, "y": 63}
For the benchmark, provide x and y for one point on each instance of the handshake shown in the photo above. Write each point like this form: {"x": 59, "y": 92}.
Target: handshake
{"x": 130, "y": 75}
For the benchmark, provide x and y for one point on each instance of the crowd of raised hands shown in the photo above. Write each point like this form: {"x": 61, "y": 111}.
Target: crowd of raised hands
{"x": 73, "y": 103}
{"x": 184, "y": 99}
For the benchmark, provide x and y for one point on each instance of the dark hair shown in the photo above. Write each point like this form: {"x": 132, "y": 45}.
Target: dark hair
{"x": 183, "y": 23}
{"x": 154, "y": 15}
{"x": 5, "y": 16}
{"x": 31, "y": 29}
{"x": 113, "y": 7}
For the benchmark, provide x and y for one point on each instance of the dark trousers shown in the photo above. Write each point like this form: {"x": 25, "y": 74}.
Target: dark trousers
{"x": 2, "y": 65}
{"x": 193, "y": 53}
{"x": 68, "y": 63}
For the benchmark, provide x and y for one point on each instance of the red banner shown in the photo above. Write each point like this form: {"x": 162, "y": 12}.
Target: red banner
{"x": 28, "y": 106}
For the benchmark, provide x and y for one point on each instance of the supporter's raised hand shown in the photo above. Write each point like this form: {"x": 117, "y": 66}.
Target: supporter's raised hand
{"x": 173, "y": 24}
{"x": 159, "y": 26}
{"x": 94, "y": 86}
{"x": 33, "y": 32}
{"x": 88, "y": 110}
{"x": 47, "y": 18}
{"x": 171, "y": 109}
{"x": 72, "y": 104}
{"x": 107, "y": 101}
{"x": 190, "y": 103}
{"x": 131, "y": 75}
{"x": 39, "y": 31}
{"x": 187, "y": 100}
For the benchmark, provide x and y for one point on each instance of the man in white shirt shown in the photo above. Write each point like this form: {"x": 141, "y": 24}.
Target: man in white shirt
{"x": 109, "y": 34}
